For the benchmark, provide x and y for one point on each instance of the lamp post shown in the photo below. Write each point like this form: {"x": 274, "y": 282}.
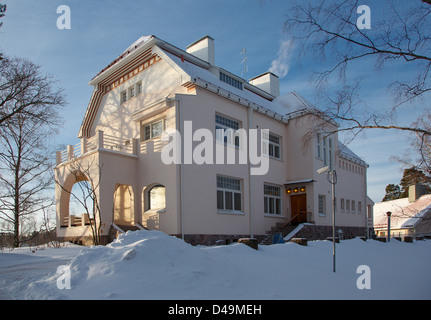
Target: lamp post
{"x": 333, "y": 181}
{"x": 389, "y": 225}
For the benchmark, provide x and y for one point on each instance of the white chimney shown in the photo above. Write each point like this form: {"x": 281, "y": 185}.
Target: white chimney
{"x": 416, "y": 191}
{"x": 268, "y": 82}
{"x": 203, "y": 48}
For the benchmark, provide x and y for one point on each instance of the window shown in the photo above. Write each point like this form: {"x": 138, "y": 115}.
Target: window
{"x": 231, "y": 81}
{"x": 342, "y": 205}
{"x": 225, "y": 130}
{"x": 330, "y": 157}
{"x": 359, "y": 207}
{"x": 157, "y": 198}
{"x": 123, "y": 97}
{"x": 274, "y": 146}
{"x": 131, "y": 92}
{"x": 325, "y": 150}
{"x": 153, "y": 130}
{"x": 138, "y": 88}
{"x": 353, "y": 206}
{"x": 272, "y": 199}
{"x": 347, "y": 205}
{"x": 322, "y": 204}
{"x": 229, "y": 196}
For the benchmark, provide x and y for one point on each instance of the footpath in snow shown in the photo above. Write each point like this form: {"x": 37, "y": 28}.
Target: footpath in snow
{"x": 153, "y": 265}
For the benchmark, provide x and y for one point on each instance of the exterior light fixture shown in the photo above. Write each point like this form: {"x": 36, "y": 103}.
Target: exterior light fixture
{"x": 303, "y": 189}
{"x": 289, "y": 191}
{"x": 296, "y": 190}
{"x": 332, "y": 178}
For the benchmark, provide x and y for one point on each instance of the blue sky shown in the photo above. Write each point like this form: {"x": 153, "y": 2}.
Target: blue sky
{"x": 101, "y": 30}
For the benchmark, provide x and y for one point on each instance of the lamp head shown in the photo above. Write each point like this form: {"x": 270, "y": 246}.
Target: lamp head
{"x": 323, "y": 170}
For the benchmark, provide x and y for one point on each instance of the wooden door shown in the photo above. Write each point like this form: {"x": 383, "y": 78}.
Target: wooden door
{"x": 299, "y": 208}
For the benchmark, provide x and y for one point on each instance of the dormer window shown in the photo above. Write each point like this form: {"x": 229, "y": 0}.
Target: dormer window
{"x": 230, "y": 81}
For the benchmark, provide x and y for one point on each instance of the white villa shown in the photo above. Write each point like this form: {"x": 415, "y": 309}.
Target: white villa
{"x": 155, "y": 92}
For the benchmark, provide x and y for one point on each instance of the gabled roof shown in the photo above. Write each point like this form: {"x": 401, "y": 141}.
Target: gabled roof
{"x": 348, "y": 154}
{"x": 199, "y": 72}
{"x": 405, "y": 214}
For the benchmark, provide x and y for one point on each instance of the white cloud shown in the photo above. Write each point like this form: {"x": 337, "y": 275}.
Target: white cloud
{"x": 280, "y": 66}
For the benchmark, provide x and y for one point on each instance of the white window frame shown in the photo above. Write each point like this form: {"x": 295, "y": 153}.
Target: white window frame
{"x": 123, "y": 96}
{"x": 273, "y": 145}
{"x": 321, "y": 204}
{"x": 325, "y": 150}
{"x": 138, "y": 88}
{"x": 131, "y": 92}
{"x": 272, "y": 194}
{"x": 229, "y": 127}
{"x": 150, "y": 125}
{"x": 229, "y": 188}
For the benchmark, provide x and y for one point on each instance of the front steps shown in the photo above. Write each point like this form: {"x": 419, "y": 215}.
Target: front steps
{"x": 278, "y": 228}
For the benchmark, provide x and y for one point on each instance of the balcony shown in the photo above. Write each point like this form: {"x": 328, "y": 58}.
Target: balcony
{"x": 99, "y": 142}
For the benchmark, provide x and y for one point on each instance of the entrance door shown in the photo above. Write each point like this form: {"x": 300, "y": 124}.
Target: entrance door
{"x": 299, "y": 208}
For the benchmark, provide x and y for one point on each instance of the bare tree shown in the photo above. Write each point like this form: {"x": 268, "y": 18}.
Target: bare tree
{"x": 400, "y": 36}
{"x": 24, "y": 89}
{"x": 28, "y": 118}
{"x": 25, "y": 164}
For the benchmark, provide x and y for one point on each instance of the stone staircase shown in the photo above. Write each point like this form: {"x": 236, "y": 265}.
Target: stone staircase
{"x": 278, "y": 228}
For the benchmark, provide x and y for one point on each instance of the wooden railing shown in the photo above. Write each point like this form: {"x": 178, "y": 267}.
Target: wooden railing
{"x": 76, "y": 221}
{"x": 298, "y": 217}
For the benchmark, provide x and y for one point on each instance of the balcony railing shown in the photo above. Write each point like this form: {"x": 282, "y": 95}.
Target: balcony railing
{"x": 100, "y": 141}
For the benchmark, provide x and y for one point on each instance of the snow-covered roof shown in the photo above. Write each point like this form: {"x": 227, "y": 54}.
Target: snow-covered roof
{"x": 348, "y": 154}
{"x": 405, "y": 214}
{"x": 135, "y": 45}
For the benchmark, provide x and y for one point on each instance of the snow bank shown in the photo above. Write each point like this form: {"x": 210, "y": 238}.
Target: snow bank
{"x": 153, "y": 265}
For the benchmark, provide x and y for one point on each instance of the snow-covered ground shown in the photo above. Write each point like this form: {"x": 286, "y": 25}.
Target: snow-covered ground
{"x": 153, "y": 265}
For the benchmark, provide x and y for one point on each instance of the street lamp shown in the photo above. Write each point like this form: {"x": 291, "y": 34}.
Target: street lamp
{"x": 333, "y": 180}
{"x": 389, "y": 225}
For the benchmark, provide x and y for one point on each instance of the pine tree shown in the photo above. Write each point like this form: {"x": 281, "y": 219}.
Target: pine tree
{"x": 413, "y": 176}
{"x": 393, "y": 192}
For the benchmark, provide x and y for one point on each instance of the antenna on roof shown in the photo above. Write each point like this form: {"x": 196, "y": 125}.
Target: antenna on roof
{"x": 244, "y": 51}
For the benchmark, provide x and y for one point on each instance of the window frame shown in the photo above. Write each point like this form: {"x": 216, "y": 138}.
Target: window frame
{"x": 150, "y": 126}
{"x": 227, "y": 125}
{"x": 276, "y": 200}
{"x": 123, "y": 96}
{"x": 235, "y": 203}
{"x": 321, "y": 204}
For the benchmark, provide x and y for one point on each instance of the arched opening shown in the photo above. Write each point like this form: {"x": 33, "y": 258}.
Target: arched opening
{"x": 156, "y": 198}
{"x": 77, "y": 201}
{"x": 123, "y": 205}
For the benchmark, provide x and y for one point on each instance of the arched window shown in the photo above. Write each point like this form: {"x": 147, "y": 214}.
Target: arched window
{"x": 157, "y": 198}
